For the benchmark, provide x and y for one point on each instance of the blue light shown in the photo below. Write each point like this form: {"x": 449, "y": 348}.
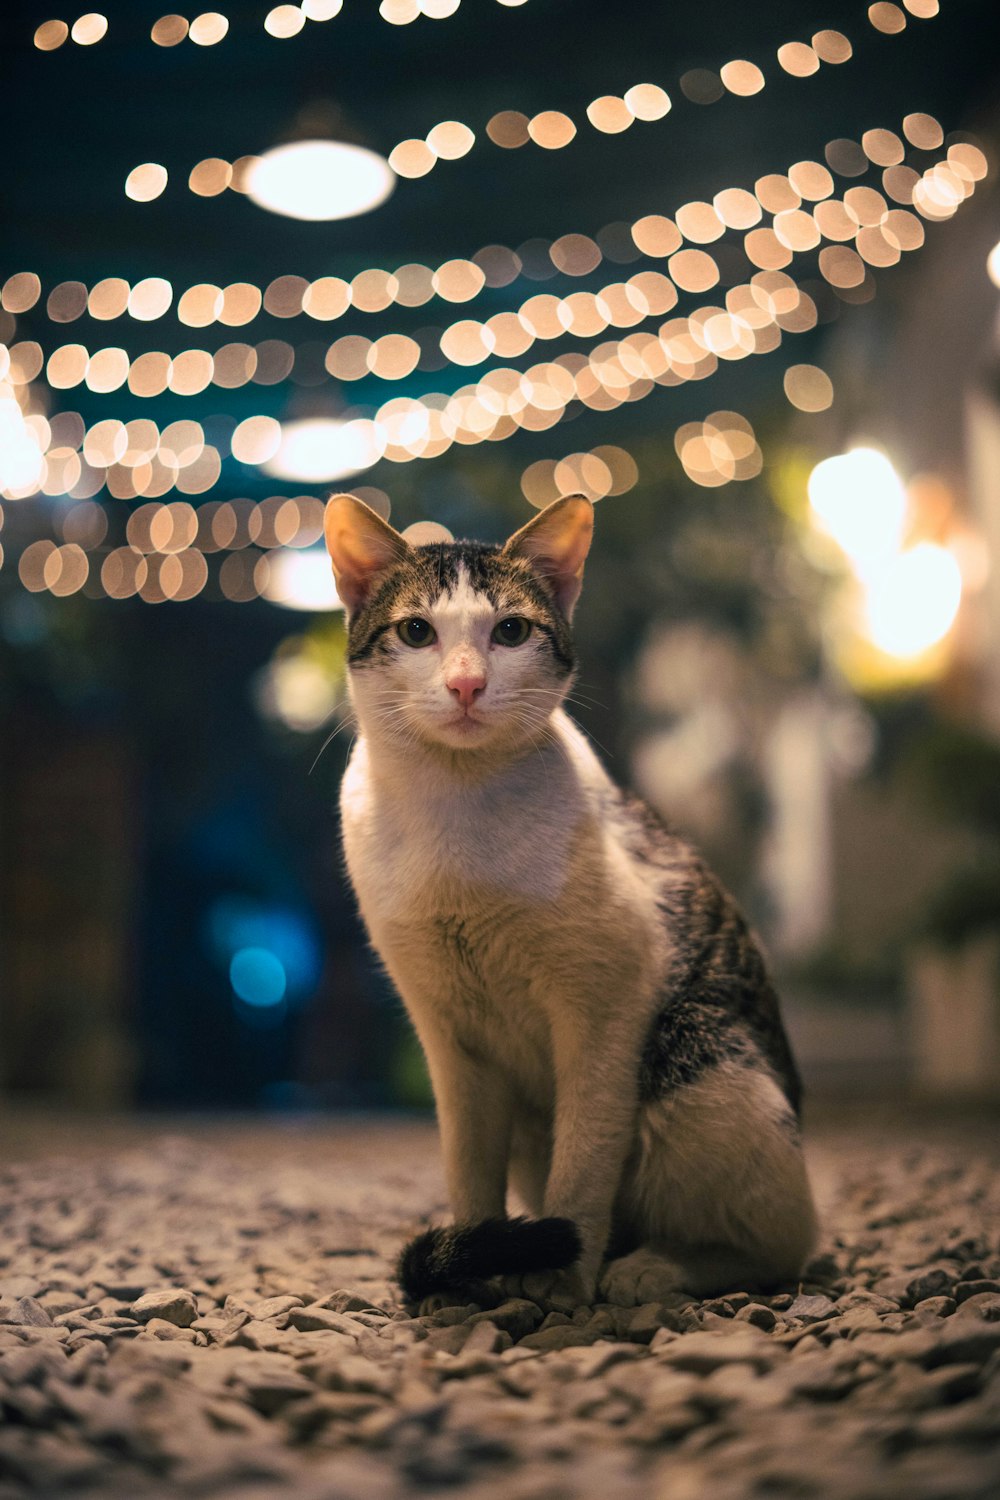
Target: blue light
{"x": 236, "y": 924}
{"x": 258, "y": 976}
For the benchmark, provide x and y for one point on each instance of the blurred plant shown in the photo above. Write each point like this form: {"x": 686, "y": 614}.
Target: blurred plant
{"x": 955, "y": 771}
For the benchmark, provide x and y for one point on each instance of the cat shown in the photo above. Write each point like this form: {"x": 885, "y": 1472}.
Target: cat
{"x": 598, "y": 1022}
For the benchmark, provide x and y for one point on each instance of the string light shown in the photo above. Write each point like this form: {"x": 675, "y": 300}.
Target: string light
{"x": 135, "y": 460}
{"x": 413, "y": 285}
{"x": 281, "y": 22}
{"x": 552, "y": 130}
{"x": 506, "y": 399}
{"x": 878, "y": 234}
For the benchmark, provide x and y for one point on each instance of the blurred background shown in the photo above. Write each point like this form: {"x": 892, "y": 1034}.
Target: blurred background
{"x": 733, "y": 271}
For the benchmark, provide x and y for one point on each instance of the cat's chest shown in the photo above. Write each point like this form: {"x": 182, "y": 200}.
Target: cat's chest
{"x": 439, "y": 854}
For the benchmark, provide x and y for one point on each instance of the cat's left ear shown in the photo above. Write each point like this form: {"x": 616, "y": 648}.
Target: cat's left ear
{"x": 361, "y": 546}
{"x": 556, "y": 544}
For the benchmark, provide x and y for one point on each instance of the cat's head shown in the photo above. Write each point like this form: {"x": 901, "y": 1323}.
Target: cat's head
{"x": 463, "y": 645}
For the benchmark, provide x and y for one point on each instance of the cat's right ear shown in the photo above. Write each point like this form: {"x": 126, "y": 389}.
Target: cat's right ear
{"x": 361, "y": 547}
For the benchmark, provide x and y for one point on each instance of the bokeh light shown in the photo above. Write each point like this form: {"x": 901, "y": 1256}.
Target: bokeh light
{"x": 315, "y": 179}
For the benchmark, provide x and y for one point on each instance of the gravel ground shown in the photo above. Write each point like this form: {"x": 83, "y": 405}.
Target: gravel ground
{"x": 208, "y": 1313}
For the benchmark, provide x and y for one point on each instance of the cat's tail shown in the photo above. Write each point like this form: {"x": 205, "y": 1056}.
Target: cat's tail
{"x": 465, "y": 1255}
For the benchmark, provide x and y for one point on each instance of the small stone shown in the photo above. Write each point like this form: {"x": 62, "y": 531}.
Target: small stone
{"x": 352, "y": 1373}
{"x": 28, "y": 1312}
{"x": 932, "y": 1308}
{"x": 985, "y": 1305}
{"x": 348, "y": 1302}
{"x": 270, "y": 1307}
{"x": 931, "y": 1281}
{"x": 162, "y": 1328}
{"x": 858, "y": 1297}
{"x": 700, "y": 1353}
{"x": 308, "y": 1417}
{"x": 603, "y": 1320}
{"x": 639, "y": 1324}
{"x": 517, "y": 1316}
{"x": 56, "y": 1303}
{"x": 485, "y": 1338}
{"x": 811, "y": 1309}
{"x": 270, "y": 1387}
{"x": 966, "y": 1289}
{"x": 311, "y": 1319}
{"x": 127, "y": 1286}
{"x": 720, "y": 1306}
{"x": 448, "y": 1317}
{"x": 448, "y": 1340}
{"x": 589, "y": 1361}
{"x": 895, "y": 1288}
{"x": 965, "y": 1340}
{"x": 174, "y": 1305}
{"x": 555, "y": 1320}
{"x": 758, "y": 1315}
{"x": 559, "y": 1336}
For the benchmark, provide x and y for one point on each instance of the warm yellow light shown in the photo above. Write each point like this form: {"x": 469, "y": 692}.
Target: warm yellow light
{"x": 89, "y": 29}
{"x": 859, "y": 501}
{"x": 323, "y": 448}
{"x": 146, "y": 182}
{"x": 993, "y": 264}
{"x": 302, "y": 580}
{"x": 21, "y": 462}
{"x": 913, "y": 602}
{"x": 320, "y": 180}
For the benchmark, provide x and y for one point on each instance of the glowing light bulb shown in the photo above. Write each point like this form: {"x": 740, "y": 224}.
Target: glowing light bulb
{"x": 302, "y": 580}
{"x": 913, "y": 602}
{"x": 21, "y": 461}
{"x": 320, "y": 180}
{"x": 993, "y": 264}
{"x": 859, "y": 501}
{"x": 321, "y": 448}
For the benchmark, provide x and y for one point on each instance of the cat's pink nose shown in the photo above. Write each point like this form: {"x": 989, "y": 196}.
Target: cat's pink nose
{"x": 465, "y": 687}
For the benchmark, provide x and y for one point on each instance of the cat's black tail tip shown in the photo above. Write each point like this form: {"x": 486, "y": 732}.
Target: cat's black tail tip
{"x": 461, "y": 1255}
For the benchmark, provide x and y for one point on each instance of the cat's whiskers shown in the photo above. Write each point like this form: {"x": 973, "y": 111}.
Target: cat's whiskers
{"x": 346, "y": 722}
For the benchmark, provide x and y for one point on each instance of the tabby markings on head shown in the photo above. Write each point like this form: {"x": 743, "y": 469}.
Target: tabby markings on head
{"x": 418, "y": 582}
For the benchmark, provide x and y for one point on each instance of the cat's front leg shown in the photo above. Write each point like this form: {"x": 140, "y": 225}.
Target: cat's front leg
{"x": 473, "y": 1103}
{"x": 596, "y": 1104}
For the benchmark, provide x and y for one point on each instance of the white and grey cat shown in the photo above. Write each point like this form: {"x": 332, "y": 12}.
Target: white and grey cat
{"x": 600, "y": 1029}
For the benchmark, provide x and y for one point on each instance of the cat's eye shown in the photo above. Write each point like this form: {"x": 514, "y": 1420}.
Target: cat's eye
{"x": 415, "y": 632}
{"x": 512, "y": 632}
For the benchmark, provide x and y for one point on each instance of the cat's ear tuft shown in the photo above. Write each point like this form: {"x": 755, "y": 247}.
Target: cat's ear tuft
{"x": 556, "y": 543}
{"x": 361, "y": 547}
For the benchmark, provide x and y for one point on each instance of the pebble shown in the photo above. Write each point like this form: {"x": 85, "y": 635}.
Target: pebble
{"x": 515, "y": 1316}
{"x": 811, "y": 1309}
{"x": 757, "y": 1314}
{"x": 29, "y": 1312}
{"x": 932, "y": 1281}
{"x": 174, "y": 1305}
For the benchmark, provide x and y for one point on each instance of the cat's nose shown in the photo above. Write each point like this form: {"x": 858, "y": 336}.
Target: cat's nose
{"x": 466, "y": 686}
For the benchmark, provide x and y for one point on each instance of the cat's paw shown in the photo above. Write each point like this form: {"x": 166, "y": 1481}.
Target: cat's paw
{"x": 640, "y": 1277}
{"x": 434, "y": 1303}
{"x": 552, "y": 1291}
